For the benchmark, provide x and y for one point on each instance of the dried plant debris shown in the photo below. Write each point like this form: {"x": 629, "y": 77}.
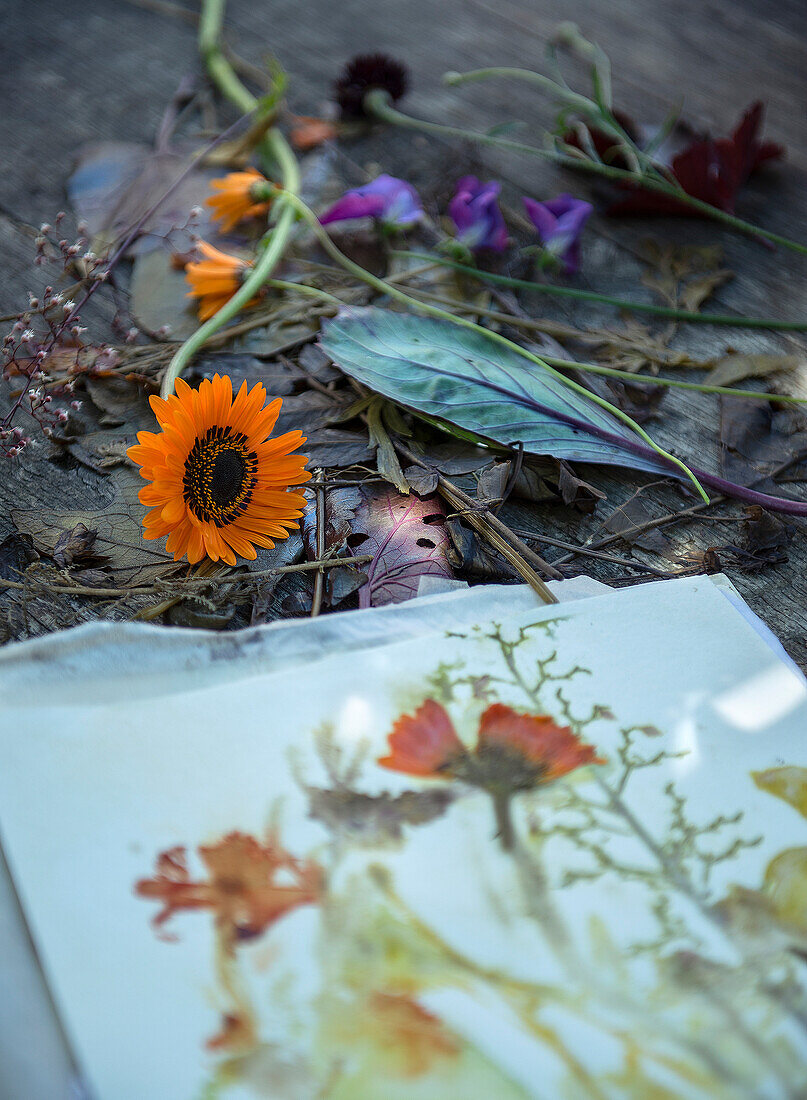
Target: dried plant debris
{"x": 755, "y": 440}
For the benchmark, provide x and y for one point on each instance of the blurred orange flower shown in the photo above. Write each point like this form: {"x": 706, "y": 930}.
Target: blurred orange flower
{"x": 239, "y": 195}
{"x": 214, "y": 279}
{"x": 249, "y": 887}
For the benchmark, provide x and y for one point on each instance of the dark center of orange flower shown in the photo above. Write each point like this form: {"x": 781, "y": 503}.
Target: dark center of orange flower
{"x": 219, "y": 476}
{"x": 497, "y": 768}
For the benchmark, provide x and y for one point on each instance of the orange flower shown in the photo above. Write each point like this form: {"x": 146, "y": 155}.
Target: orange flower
{"x": 535, "y": 738}
{"x": 218, "y": 486}
{"x": 424, "y": 743}
{"x": 240, "y": 195}
{"x": 513, "y": 751}
{"x": 215, "y": 279}
{"x": 250, "y": 885}
{"x": 307, "y": 132}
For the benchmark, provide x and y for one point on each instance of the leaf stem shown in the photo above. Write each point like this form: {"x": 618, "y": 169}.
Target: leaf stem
{"x": 393, "y": 292}
{"x": 378, "y": 103}
{"x": 607, "y": 299}
{"x": 652, "y": 380}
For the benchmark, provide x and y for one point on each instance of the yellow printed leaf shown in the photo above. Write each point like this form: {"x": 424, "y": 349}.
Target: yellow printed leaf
{"x": 788, "y": 783}
{"x": 785, "y": 884}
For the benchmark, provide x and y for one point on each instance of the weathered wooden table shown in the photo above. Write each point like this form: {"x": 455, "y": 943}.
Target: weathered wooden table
{"x": 106, "y": 70}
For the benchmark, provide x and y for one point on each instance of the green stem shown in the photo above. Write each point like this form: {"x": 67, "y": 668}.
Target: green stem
{"x": 580, "y": 103}
{"x": 572, "y": 364}
{"x": 702, "y": 387}
{"x": 221, "y": 71}
{"x": 434, "y": 311}
{"x": 607, "y": 299}
{"x": 283, "y": 210}
{"x": 378, "y": 103}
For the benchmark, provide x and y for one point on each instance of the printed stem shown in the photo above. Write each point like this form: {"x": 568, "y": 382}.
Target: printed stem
{"x": 677, "y": 876}
{"x": 378, "y": 103}
{"x": 502, "y": 810}
{"x": 684, "y": 315}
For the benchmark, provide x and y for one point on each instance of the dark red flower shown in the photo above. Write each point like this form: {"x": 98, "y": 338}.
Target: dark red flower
{"x": 712, "y": 170}
{"x": 365, "y": 73}
{"x": 513, "y": 751}
{"x": 250, "y": 885}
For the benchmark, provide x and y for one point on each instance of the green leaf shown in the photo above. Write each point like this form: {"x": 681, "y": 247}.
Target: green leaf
{"x": 462, "y": 378}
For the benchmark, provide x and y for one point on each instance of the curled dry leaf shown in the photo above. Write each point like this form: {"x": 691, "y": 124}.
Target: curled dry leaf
{"x": 115, "y": 184}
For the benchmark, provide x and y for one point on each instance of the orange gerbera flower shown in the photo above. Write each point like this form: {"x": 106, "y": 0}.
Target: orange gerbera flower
{"x": 215, "y": 279}
{"x": 240, "y": 195}
{"x": 219, "y": 487}
{"x": 513, "y": 751}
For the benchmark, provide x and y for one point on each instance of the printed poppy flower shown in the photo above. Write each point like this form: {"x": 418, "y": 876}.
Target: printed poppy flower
{"x": 513, "y": 751}
{"x": 214, "y": 279}
{"x": 559, "y": 223}
{"x": 364, "y": 74}
{"x": 475, "y": 212}
{"x": 249, "y": 885}
{"x": 240, "y": 195}
{"x": 424, "y": 743}
{"x": 393, "y": 202}
{"x": 218, "y": 486}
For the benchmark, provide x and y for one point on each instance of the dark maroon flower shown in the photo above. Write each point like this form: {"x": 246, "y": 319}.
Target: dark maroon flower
{"x": 365, "y": 73}
{"x": 709, "y": 169}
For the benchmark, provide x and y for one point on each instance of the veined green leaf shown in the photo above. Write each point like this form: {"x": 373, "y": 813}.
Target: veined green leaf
{"x": 461, "y": 377}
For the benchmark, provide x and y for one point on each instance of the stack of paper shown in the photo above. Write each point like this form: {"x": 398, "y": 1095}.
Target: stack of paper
{"x": 466, "y": 847}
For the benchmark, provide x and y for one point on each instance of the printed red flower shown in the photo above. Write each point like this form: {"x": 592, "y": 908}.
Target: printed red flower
{"x": 250, "y": 885}
{"x": 513, "y": 751}
{"x": 423, "y": 743}
{"x": 535, "y": 738}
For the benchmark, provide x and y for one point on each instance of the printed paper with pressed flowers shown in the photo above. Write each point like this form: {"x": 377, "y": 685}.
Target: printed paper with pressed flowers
{"x": 561, "y": 856}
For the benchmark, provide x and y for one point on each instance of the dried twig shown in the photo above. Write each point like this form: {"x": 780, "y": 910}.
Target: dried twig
{"x": 319, "y": 580}
{"x": 190, "y": 582}
{"x": 524, "y": 560}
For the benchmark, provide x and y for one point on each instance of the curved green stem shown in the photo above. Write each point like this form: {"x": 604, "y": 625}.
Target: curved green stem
{"x": 578, "y": 102}
{"x": 653, "y": 380}
{"x": 283, "y": 211}
{"x": 378, "y": 103}
{"x": 588, "y": 368}
{"x": 221, "y": 71}
{"x": 434, "y": 311}
{"x": 607, "y": 299}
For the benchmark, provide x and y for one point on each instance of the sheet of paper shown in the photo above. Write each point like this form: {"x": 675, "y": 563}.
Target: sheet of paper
{"x": 581, "y": 870}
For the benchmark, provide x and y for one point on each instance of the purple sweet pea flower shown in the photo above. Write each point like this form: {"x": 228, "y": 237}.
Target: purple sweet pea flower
{"x": 477, "y": 216}
{"x": 559, "y": 223}
{"x": 394, "y": 202}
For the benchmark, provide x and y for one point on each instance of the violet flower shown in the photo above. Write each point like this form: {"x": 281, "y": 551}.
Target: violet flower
{"x": 559, "y": 223}
{"x": 477, "y": 216}
{"x": 394, "y": 202}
